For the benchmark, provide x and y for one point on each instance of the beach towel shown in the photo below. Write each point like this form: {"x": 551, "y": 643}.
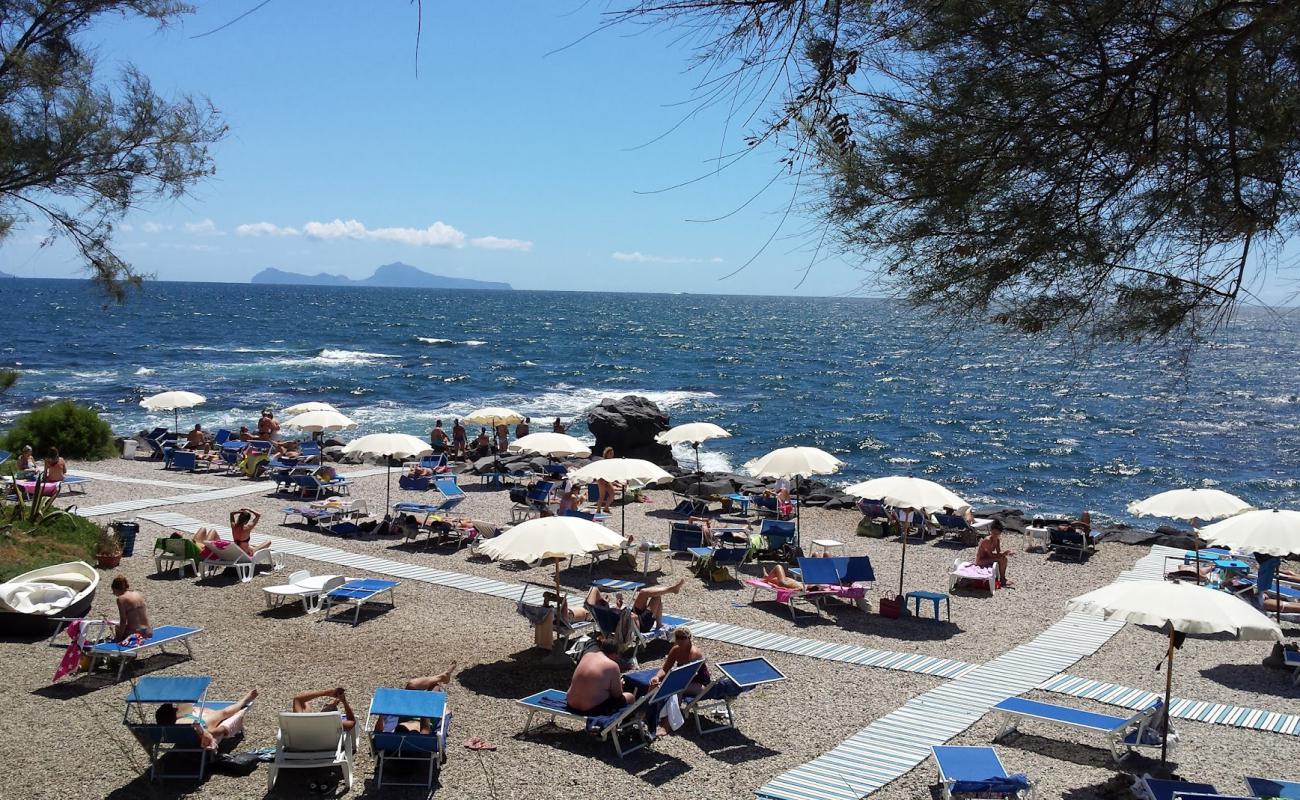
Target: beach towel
{"x": 72, "y": 656}
{"x": 970, "y": 572}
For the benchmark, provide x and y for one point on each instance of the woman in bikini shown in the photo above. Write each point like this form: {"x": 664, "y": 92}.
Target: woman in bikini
{"x": 242, "y": 523}
{"x": 212, "y": 725}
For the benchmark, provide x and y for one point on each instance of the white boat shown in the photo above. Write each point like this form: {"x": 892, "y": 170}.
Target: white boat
{"x": 31, "y": 602}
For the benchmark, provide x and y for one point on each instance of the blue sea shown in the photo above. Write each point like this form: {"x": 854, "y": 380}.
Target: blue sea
{"x": 999, "y": 417}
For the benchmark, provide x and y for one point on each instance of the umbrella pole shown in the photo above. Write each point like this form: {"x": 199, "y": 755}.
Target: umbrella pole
{"x": 798, "y": 537}
{"x": 902, "y": 564}
{"x": 622, "y": 495}
{"x": 388, "y": 487}
{"x": 1169, "y": 688}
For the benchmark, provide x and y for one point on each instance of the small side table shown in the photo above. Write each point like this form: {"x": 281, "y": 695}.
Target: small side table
{"x": 827, "y": 545}
{"x": 741, "y": 500}
{"x": 934, "y": 597}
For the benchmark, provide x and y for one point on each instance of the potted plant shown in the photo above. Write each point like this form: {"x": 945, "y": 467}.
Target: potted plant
{"x": 108, "y": 550}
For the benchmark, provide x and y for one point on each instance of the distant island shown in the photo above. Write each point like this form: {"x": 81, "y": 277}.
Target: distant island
{"x": 7, "y": 275}
{"x": 395, "y": 275}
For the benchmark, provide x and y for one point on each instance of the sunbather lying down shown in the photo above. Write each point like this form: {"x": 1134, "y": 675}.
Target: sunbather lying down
{"x": 212, "y": 725}
{"x": 425, "y": 684}
{"x": 648, "y": 604}
{"x": 776, "y": 577}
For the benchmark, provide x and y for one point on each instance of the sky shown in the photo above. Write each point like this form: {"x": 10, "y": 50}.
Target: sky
{"x": 532, "y": 147}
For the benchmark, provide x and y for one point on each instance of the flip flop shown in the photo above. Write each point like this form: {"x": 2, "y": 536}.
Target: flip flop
{"x": 475, "y": 743}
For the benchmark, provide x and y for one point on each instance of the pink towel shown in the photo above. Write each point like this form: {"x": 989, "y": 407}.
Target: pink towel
{"x": 782, "y": 595}
{"x": 72, "y": 656}
{"x": 969, "y": 571}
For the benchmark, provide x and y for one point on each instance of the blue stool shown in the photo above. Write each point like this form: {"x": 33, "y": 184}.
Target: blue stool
{"x": 933, "y": 597}
{"x": 741, "y": 500}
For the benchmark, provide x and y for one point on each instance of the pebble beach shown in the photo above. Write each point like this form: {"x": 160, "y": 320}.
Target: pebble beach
{"x": 74, "y": 744}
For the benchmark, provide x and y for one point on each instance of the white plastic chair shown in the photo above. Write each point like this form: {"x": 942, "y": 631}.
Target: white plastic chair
{"x": 232, "y": 556}
{"x": 303, "y": 586}
{"x": 312, "y": 740}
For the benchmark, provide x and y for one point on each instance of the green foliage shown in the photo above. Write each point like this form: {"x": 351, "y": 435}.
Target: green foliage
{"x": 77, "y": 431}
{"x": 25, "y": 547}
{"x": 35, "y": 509}
{"x": 7, "y": 376}
{"x": 70, "y": 136}
{"x": 1120, "y": 167}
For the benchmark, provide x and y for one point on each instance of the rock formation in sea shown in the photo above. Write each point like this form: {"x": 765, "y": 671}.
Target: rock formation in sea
{"x": 629, "y": 425}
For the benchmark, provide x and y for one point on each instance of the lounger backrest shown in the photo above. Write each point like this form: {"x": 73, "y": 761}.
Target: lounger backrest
{"x": 730, "y": 555}
{"x": 311, "y": 732}
{"x": 184, "y": 459}
{"x": 4, "y": 456}
{"x": 822, "y": 571}
{"x": 157, "y": 434}
{"x": 1267, "y": 580}
{"x": 678, "y": 679}
{"x": 448, "y": 487}
{"x": 684, "y": 535}
{"x": 230, "y": 554}
{"x": 778, "y": 532}
{"x": 950, "y": 521}
{"x": 299, "y": 576}
{"x": 222, "y": 437}
{"x": 858, "y": 570}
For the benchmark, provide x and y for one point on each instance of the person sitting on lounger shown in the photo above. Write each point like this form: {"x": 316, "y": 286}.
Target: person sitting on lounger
{"x": 569, "y": 500}
{"x": 252, "y": 461}
{"x": 26, "y": 461}
{"x": 131, "y": 613}
{"x": 597, "y": 685}
{"x": 56, "y": 469}
{"x": 684, "y": 651}
{"x": 776, "y": 577}
{"x": 417, "y": 471}
{"x": 990, "y": 552}
{"x": 242, "y": 523}
{"x": 211, "y": 724}
{"x": 336, "y": 698}
{"x": 482, "y": 447}
{"x": 521, "y": 430}
{"x": 648, "y": 604}
{"x": 196, "y": 439}
{"x": 245, "y": 435}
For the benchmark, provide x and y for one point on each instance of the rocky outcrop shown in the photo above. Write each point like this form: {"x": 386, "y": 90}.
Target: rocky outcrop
{"x": 629, "y": 426}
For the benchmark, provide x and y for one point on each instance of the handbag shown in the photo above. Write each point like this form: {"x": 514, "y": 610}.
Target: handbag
{"x": 891, "y": 606}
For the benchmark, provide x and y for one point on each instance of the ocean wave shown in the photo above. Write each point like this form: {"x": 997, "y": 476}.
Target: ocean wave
{"x": 710, "y": 460}
{"x": 145, "y": 371}
{"x": 433, "y": 340}
{"x": 473, "y": 342}
{"x": 527, "y": 363}
{"x": 332, "y": 357}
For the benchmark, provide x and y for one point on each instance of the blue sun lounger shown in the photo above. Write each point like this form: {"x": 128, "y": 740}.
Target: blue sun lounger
{"x": 734, "y": 679}
{"x": 161, "y": 740}
{"x": 1265, "y": 787}
{"x": 388, "y": 707}
{"x": 162, "y": 636}
{"x": 977, "y": 771}
{"x": 1125, "y": 734}
{"x": 629, "y": 719}
{"x": 358, "y": 593}
{"x": 1149, "y": 788}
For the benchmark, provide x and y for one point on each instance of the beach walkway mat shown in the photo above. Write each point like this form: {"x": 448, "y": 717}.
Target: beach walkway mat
{"x": 104, "y": 476}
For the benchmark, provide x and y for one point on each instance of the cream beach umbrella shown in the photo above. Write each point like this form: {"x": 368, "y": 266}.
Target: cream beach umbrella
{"x": 1190, "y": 504}
{"x": 1193, "y": 505}
{"x": 1179, "y": 608}
{"x": 899, "y": 491}
{"x": 388, "y": 446}
{"x": 554, "y": 445}
{"x": 551, "y": 537}
{"x": 794, "y": 462}
{"x": 173, "y": 402}
{"x": 318, "y": 421}
{"x": 692, "y": 433}
{"x": 1269, "y": 531}
{"x": 625, "y": 471}
{"x": 493, "y": 415}
{"x": 303, "y": 408}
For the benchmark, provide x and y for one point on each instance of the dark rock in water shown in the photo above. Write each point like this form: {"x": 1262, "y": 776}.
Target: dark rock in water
{"x": 1012, "y": 519}
{"x": 331, "y": 442}
{"x": 629, "y": 426}
{"x": 713, "y": 488}
{"x": 332, "y": 452}
{"x": 998, "y": 512}
{"x": 1170, "y": 530}
{"x": 1183, "y": 541}
{"x": 843, "y": 501}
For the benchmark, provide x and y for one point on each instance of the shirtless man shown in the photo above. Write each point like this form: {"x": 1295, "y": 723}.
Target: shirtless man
{"x": 597, "y": 686}
{"x": 337, "y": 697}
{"x": 55, "y": 467}
{"x": 212, "y": 725}
{"x": 130, "y": 611}
{"x": 196, "y": 439}
{"x": 648, "y": 604}
{"x": 990, "y": 552}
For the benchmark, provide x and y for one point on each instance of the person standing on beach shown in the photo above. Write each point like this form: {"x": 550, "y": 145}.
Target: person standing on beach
{"x": 521, "y": 430}
{"x": 458, "y": 440}
{"x": 605, "y": 495}
{"x": 438, "y": 438}
{"x": 503, "y": 436}
{"x": 268, "y": 430}
{"x": 558, "y": 427}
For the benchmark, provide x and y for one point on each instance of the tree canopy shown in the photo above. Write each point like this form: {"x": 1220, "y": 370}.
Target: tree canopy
{"x": 1122, "y": 167}
{"x": 77, "y": 150}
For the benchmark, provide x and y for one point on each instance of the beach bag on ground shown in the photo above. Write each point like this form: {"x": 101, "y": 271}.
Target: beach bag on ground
{"x": 872, "y": 528}
{"x": 891, "y": 606}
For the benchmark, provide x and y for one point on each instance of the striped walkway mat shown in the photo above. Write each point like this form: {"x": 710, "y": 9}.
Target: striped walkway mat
{"x": 1180, "y": 708}
{"x": 732, "y": 634}
{"x": 241, "y": 489}
{"x": 104, "y": 476}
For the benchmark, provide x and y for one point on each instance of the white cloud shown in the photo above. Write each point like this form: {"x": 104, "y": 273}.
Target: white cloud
{"x": 439, "y": 234}
{"x": 637, "y": 257}
{"x": 497, "y": 243}
{"x": 264, "y": 229}
{"x": 204, "y": 227}
{"x": 154, "y": 227}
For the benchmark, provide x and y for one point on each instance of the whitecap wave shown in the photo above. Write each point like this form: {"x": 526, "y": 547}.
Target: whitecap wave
{"x": 335, "y": 358}
{"x": 527, "y": 363}
{"x": 145, "y": 371}
{"x": 473, "y": 342}
{"x": 433, "y": 340}
{"x": 710, "y": 460}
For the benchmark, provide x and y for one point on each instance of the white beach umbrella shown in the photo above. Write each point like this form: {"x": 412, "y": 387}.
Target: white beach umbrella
{"x": 625, "y": 471}
{"x": 1268, "y": 531}
{"x": 388, "y": 446}
{"x": 551, "y": 537}
{"x": 1179, "y": 608}
{"x": 317, "y": 421}
{"x": 554, "y": 445}
{"x": 303, "y": 408}
{"x": 794, "y": 462}
{"x": 493, "y": 415}
{"x": 899, "y": 491}
{"x": 692, "y": 433}
{"x": 173, "y": 402}
{"x": 1190, "y": 504}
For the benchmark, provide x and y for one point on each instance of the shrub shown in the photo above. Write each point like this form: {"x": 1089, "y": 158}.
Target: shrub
{"x": 78, "y": 432}
{"x": 67, "y": 538}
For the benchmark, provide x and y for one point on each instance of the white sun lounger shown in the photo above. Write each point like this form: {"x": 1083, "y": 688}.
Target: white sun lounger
{"x": 304, "y": 586}
{"x": 232, "y": 555}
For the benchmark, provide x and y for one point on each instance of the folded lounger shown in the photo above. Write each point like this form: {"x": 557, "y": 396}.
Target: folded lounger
{"x": 976, "y": 771}
{"x": 734, "y": 680}
{"x": 1149, "y": 788}
{"x": 358, "y": 593}
{"x": 304, "y": 586}
{"x": 712, "y": 559}
{"x": 415, "y": 483}
{"x": 629, "y": 719}
{"x": 387, "y": 708}
{"x": 1125, "y": 734}
{"x": 223, "y": 555}
{"x": 161, "y": 740}
{"x": 1266, "y": 787}
{"x": 312, "y": 740}
{"x": 1078, "y": 542}
{"x": 132, "y": 648}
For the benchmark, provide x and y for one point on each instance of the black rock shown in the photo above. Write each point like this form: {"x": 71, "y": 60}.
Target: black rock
{"x": 629, "y": 426}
